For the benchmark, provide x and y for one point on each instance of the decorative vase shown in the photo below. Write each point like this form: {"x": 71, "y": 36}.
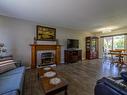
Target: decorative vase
{"x": 35, "y": 40}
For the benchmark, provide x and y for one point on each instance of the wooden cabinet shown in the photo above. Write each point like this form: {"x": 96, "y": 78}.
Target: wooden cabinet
{"x": 91, "y": 47}
{"x": 72, "y": 56}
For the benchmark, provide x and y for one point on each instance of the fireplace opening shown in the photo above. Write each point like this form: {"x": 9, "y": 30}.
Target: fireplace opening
{"x": 46, "y": 58}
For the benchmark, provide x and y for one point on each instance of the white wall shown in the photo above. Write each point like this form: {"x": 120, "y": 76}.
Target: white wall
{"x": 5, "y": 34}
{"x": 18, "y": 35}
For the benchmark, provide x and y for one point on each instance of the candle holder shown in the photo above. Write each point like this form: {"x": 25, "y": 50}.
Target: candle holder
{"x": 35, "y": 40}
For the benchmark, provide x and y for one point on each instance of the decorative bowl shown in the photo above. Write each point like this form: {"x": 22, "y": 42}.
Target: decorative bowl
{"x": 55, "y": 81}
{"x": 49, "y": 74}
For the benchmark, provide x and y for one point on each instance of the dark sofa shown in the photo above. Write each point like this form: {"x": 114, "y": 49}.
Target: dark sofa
{"x": 11, "y": 82}
{"x": 112, "y": 85}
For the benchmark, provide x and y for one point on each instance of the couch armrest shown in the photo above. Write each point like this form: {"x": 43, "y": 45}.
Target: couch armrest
{"x": 124, "y": 76}
{"x": 19, "y": 63}
{"x": 102, "y": 89}
{"x": 13, "y": 92}
{"x": 119, "y": 87}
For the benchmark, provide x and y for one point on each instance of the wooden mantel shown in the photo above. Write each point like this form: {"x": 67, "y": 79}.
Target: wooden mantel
{"x": 39, "y": 47}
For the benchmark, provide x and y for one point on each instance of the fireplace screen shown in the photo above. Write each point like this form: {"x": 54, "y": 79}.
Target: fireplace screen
{"x": 47, "y": 58}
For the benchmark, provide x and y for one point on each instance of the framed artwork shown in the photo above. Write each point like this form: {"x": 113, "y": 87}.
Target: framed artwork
{"x": 45, "y": 33}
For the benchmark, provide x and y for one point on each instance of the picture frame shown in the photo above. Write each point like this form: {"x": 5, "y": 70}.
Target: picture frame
{"x": 44, "y": 33}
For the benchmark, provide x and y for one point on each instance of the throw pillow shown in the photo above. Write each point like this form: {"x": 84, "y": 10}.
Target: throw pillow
{"x": 6, "y": 61}
{"x": 7, "y": 66}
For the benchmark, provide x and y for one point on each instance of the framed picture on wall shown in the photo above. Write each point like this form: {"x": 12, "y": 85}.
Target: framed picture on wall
{"x": 45, "y": 33}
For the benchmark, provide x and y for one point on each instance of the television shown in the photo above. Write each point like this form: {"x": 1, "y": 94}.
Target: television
{"x": 72, "y": 44}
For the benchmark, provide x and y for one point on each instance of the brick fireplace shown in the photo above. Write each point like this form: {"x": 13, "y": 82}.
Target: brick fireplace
{"x": 39, "y": 47}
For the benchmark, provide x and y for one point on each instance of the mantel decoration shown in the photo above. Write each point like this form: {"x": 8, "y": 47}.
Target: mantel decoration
{"x": 45, "y": 33}
{"x": 2, "y": 49}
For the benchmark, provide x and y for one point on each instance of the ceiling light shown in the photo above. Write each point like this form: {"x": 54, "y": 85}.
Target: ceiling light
{"x": 107, "y": 29}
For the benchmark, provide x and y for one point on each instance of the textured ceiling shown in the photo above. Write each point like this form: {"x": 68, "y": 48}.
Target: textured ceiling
{"x": 73, "y": 14}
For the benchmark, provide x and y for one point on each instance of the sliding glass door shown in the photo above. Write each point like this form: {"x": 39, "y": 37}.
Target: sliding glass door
{"x": 108, "y": 42}
{"x": 113, "y": 42}
{"x": 118, "y": 42}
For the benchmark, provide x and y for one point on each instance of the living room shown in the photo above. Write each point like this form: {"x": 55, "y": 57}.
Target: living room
{"x": 78, "y": 20}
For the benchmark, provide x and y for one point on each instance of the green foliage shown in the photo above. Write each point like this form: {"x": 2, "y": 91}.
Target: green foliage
{"x": 118, "y": 42}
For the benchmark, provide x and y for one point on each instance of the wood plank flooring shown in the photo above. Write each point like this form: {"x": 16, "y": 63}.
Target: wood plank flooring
{"x": 81, "y": 76}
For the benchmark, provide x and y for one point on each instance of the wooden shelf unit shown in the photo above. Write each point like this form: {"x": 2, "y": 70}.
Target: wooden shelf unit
{"x": 72, "y": 56}
{"x": 91, "y": 48}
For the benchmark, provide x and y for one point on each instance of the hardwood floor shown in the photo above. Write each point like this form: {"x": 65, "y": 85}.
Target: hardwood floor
{"x": 81, "y": 77}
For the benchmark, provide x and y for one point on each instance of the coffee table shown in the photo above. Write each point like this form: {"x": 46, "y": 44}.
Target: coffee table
{"x": 51, "y": 89}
